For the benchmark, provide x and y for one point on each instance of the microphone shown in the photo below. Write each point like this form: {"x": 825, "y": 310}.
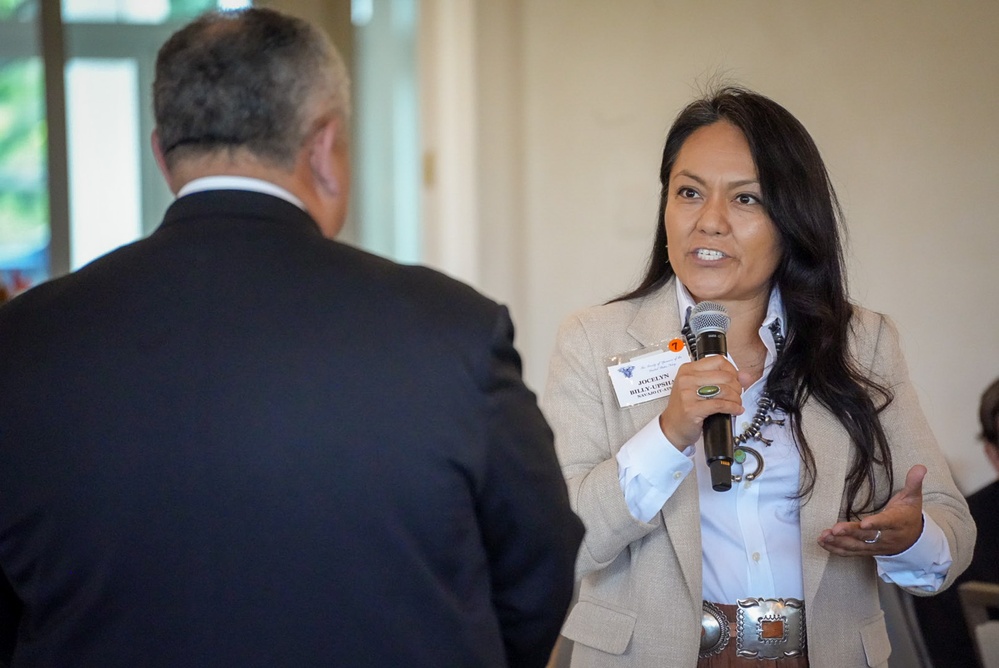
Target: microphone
{"x": 709, "y": 323}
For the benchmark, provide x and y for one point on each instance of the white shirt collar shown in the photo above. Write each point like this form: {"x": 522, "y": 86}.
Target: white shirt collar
{"x": 223, "y": 182}
{"x": 775, "y": 310}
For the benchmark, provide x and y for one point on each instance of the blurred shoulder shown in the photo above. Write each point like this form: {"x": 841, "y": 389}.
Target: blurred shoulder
{"x": 429, "y": 284}
{"x": 419, "y": 295}
{"x": 443, "y": 295}
{"x": 37, "y": 301}
{"x": 984, "y": 502}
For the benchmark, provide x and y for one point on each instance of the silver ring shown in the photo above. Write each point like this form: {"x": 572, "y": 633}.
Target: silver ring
{"x": 708, "y": 391}
{"x": 876, "y": 538}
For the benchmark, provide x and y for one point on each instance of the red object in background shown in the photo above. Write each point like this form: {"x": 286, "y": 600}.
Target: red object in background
{"x": 20, "y": 282}
{"x": 17, "y": 284}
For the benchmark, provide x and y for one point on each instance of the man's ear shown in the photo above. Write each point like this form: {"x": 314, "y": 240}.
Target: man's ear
{"x": 323, "y": 158}
{"x": 154, "y": 142}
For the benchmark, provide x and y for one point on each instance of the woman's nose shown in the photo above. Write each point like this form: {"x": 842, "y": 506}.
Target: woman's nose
{"x": 714, "y": 216}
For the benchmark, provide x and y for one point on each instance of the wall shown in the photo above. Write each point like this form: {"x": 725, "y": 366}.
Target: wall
{"x": 574, "y": 99}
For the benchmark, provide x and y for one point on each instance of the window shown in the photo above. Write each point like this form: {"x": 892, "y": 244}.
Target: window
{"x": 387, "y": 153}
{"x": 115, "y": 192}
{"x": 103, "y": 189}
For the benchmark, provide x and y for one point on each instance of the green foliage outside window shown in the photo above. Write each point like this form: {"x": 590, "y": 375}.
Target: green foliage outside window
{"x": 23, "y": 197}
{"x": 13, "y": 8}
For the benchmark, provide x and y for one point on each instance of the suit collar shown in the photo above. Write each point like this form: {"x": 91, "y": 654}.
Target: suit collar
{"x": 236, "y": 205}
{"x": 224, "y": 182}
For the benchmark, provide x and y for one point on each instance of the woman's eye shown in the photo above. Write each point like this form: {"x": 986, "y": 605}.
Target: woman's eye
{"x": 746, "y": 198}
{"x": 686, "y": 193}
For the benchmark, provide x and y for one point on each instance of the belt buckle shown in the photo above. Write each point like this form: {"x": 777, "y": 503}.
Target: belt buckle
{"x": 714, "y": 630}
{"x": 770, "y": 628}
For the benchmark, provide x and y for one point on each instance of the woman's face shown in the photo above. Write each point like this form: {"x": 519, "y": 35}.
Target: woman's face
{"x": 722, "y": 244}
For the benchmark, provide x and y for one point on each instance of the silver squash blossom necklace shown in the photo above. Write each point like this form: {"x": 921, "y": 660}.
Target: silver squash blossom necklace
{"x": 764, "y": 407}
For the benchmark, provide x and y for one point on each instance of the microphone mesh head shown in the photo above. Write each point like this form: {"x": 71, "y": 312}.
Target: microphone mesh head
{"x": 708, "y": 317}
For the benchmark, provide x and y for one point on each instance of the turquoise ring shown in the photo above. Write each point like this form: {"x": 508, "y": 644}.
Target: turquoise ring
{"x": 708, "y": 391}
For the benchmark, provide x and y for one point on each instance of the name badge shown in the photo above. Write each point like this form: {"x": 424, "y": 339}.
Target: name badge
{"x": 647, "y": 373}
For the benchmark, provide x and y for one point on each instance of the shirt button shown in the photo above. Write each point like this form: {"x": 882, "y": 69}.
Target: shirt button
{"x": 756, "y": 556}
{"x": 677, "y": 475}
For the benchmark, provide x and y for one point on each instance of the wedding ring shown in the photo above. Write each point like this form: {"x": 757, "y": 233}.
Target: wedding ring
{"x": 876, "y": 538}
{"x": 708, "y": 391}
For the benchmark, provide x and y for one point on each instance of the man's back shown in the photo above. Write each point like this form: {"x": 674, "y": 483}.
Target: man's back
{"x": 238, "y": 443}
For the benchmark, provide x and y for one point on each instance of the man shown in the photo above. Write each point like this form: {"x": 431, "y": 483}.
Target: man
{"x": 240, "y": 443}
{"x": 941, "y": 617}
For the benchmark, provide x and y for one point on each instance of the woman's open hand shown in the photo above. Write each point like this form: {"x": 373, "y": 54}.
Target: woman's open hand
{"x": 895, "y": 529}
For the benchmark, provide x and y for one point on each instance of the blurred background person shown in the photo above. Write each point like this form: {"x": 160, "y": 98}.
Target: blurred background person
{"x": 941, "y": 617}
{"x": 240, "y": 443}
{"x": 837, "y": 478}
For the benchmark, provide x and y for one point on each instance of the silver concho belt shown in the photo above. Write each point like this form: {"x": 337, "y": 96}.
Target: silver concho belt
{"x": 765, "y": 628}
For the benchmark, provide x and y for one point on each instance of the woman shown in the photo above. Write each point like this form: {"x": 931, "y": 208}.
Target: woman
{"x": 837, "y": 477}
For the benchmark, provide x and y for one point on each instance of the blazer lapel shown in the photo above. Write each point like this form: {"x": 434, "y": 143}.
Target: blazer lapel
{"x": 684, "y": 535}
{"x": 657, "y": 320}
{"x": 831, "y": 448}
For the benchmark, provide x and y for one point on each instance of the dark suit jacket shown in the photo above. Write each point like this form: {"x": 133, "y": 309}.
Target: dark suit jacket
{"x": 941, "y": 617}
{"x": 236, "y": 443}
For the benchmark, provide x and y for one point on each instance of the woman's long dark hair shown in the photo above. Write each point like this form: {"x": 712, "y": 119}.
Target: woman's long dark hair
{"x": 801, "y": 202}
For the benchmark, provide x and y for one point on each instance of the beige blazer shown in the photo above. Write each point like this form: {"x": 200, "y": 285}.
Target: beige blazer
{"x": 640, "y": 584}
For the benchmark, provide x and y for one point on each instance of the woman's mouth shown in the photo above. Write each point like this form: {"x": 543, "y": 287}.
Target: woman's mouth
{"x": 709, "y": 254}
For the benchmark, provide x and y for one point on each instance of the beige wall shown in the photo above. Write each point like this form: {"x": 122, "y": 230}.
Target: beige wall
{"x": 574, "y": 98}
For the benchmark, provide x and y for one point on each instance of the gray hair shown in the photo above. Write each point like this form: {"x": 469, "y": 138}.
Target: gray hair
{"x": 254, "y": 79}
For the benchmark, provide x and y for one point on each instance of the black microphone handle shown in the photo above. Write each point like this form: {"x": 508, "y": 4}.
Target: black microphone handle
{"x": 718, "y": 448}
{"x": 718, "y": 439}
